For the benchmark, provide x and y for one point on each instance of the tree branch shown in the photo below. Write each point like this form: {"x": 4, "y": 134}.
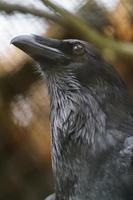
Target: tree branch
{"x": 79, "y": 25}
{"x": 10, "y": 8}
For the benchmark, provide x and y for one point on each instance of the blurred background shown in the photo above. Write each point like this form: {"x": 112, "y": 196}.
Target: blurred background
{"x": 25, "y": 166}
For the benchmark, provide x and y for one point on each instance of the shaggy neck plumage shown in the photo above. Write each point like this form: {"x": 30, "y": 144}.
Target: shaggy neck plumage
{"x": 72, "y": 106}
{"x": 79, "y": 111}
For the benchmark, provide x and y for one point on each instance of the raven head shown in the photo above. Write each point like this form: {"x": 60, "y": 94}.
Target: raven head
{"x": 70, "y": 57}
{"x": 56, "y": 55}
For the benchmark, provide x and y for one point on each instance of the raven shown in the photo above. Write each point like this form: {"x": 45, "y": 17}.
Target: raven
{"x": 91, "y": 120}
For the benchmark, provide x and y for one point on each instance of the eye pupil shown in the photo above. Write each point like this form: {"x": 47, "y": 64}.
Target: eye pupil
{"x": 78, "y": 49}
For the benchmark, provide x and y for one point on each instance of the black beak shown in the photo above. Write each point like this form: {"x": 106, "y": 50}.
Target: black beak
{"x": 37, "y": 47}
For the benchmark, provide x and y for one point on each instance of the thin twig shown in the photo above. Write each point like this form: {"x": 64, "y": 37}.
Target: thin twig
{"x": 10, "y": 8}
{"x": 79, "y": 25}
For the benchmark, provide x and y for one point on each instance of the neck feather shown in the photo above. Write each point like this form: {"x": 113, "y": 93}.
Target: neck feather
{"x": 76, "y": 112}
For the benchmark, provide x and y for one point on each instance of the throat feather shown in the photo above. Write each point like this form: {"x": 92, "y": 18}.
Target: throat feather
{"x": 75, "y": 114}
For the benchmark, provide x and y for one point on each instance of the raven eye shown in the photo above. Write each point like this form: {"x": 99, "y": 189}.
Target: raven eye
{"x": 78, "y": 49}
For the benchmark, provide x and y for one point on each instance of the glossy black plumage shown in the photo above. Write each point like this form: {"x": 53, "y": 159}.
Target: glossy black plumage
{"x": 91, "y": 120}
